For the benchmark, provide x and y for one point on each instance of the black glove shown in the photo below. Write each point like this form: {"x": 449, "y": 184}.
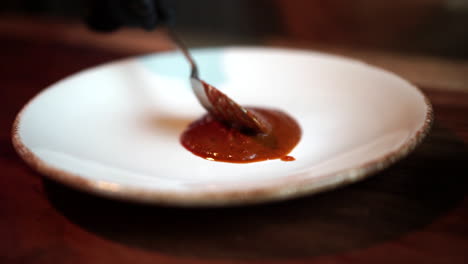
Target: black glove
{"x": 109, "y": 15}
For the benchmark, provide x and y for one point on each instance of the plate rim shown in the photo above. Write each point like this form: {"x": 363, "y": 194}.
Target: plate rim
{"x": 275, "y": 190}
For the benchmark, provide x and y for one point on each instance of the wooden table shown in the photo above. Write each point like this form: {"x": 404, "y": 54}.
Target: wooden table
{"x": 414, "y": 212}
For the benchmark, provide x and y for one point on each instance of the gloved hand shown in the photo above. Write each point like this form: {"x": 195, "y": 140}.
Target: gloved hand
{"x": 109, "y": 15}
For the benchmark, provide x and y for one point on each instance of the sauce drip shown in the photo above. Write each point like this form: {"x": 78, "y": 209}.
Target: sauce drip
{"x": 213, "y": 140}
{"x": 288, "y": 158}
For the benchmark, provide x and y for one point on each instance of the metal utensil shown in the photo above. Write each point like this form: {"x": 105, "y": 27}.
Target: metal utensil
{"x": 217, "y": 103}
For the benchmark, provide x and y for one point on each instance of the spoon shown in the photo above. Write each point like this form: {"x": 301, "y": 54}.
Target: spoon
{"x": 218, "y": 104}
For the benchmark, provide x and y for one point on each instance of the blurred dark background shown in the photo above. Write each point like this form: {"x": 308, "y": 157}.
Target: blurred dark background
{"x": 426, "y": 27}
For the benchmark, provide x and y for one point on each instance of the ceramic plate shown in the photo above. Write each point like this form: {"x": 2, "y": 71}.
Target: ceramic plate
{"x": 114, "y": 129}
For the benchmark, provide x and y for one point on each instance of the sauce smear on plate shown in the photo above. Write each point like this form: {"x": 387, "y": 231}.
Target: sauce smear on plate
{"x": 213, "y": 140}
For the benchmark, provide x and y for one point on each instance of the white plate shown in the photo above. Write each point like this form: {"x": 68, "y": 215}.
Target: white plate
{"x": 114, "y": 130}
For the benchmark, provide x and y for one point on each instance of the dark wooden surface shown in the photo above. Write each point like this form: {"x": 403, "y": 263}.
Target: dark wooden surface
{"x": 414, "y": 212}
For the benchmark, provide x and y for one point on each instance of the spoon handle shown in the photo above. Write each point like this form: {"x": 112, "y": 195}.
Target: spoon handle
{"x": 183, "y": 48}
